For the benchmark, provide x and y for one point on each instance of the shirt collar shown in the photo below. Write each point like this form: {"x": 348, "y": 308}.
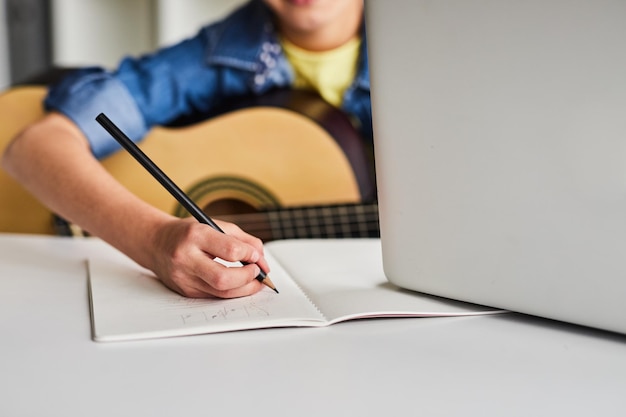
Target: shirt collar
{"x": 257, "y": 48}
{"x": 229, "y": 45}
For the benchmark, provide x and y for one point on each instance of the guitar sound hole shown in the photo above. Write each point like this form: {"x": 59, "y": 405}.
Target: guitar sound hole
{"x": 244, "y": 215}
{"x": 228, "y": 206}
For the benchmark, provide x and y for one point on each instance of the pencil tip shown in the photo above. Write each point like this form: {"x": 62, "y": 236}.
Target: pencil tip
{"x": 267, "y": 281}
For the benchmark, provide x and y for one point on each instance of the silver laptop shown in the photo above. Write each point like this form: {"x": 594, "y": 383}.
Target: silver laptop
{"x": 500, "y": 143}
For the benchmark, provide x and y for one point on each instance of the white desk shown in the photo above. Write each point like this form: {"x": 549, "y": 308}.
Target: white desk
{"x": 506, "y": 365}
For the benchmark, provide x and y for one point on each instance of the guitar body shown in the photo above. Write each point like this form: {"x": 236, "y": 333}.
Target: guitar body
{"x": 20, "y": 212}
{"x": 265, "y": 157}
{"x": 254, "y": 158}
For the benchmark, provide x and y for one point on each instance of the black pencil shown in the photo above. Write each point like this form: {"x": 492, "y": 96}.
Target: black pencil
{"x": 166, "y": 182}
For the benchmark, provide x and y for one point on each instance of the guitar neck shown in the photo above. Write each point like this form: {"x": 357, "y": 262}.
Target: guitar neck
{"x": 334, "y": 221}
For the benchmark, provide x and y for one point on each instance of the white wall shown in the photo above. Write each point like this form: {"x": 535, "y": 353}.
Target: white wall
{"x": 178, "y": 19}
{"x": 5, "y": 69}
{"x": 87, "y": 32}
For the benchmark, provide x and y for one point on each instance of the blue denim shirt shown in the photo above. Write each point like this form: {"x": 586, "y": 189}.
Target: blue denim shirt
{"x": 237, "y": 56}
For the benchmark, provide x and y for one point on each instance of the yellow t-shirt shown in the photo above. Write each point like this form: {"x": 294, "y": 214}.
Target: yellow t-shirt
{"x": 328, "y": 72}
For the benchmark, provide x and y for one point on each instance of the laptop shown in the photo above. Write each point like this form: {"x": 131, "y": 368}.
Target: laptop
{"x": 500, "y": 144}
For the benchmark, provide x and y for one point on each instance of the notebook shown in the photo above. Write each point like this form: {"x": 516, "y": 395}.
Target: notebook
{"x": 500, "y": 144}
{"x": 321, "y": 282}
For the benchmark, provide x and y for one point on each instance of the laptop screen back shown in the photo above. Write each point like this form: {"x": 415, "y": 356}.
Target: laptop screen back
{"x": 500, "y": 143}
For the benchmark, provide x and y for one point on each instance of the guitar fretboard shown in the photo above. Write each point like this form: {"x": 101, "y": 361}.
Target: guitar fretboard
{"x": 335, "y": 221}
{"x": 325, "y": 222}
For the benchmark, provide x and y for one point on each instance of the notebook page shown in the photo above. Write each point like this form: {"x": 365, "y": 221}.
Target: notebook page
{"x": 345, "y": 279}
{"x": 129, "y": 302}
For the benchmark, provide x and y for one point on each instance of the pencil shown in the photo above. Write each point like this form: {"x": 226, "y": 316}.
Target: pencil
{"x": 166, "y": 182}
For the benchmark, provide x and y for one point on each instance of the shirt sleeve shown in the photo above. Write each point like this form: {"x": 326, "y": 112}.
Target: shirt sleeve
{"x": 153, "y": 89}
{"x": 86, "y": 93}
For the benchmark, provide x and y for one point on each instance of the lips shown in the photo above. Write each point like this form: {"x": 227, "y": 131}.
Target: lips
{"x": 301, "y": 2}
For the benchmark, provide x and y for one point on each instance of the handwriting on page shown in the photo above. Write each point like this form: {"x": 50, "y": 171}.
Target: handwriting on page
{"x": 193, "y": 311}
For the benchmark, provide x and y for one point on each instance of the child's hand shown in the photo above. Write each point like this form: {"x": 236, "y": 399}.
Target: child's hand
{"x": 184, "y": 255}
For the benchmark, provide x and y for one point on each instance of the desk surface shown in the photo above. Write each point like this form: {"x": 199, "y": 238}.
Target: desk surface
{"x": 503, "y": 365}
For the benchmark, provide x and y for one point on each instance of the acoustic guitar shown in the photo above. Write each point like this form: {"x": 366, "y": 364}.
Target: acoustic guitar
{"x": 286, "y": 165}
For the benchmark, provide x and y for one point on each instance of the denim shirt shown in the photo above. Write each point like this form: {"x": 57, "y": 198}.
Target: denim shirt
{"x": 237, "y": 56}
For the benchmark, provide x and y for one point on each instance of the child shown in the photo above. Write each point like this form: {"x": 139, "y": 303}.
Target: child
{"x": 266, "y": 44}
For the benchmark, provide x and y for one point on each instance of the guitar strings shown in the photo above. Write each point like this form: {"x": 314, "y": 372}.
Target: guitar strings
{"x": 312, "y": 221}
{"x": 315, "y": 221}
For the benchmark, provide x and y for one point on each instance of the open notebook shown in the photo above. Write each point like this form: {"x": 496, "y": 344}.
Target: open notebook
{"x": 321, "y": 282}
